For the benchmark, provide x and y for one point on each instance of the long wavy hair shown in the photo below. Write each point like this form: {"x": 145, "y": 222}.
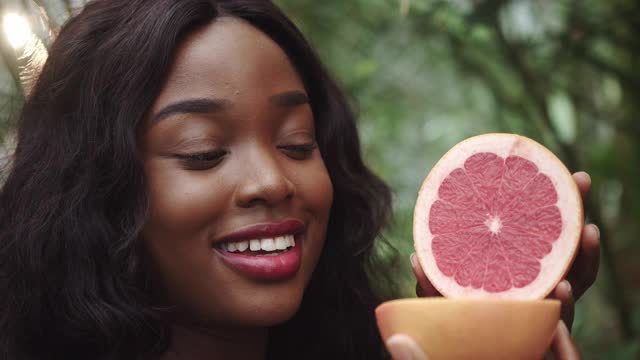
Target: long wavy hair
{"x": 75, "y": 201}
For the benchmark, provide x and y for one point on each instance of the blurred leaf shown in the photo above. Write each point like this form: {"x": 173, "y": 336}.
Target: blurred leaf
{"x": 563, "y": 116}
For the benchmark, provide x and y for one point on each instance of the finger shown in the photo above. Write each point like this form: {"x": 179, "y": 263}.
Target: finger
{"x": 583, "y": 180}
{"x": 403, "y": 347}
{"x": 563, "y": 346}
{"x": 584, "y": 271}
{"x": 564, "y": 294}
{"x": 424, "y": 288}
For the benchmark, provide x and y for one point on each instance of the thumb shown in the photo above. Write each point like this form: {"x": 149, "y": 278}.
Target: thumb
{"x": 403, "y": 347}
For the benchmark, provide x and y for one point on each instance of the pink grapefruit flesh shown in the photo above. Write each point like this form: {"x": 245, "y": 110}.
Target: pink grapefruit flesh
{"x": 499, "y": 216}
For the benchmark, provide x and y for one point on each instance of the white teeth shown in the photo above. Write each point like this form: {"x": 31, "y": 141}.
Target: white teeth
{"x": 281, "y": 243}
{"x": 242, "y": 245}
{"x": 254, "y": 245}
{"x": 266, "y": 244}
{"x": 231, "y": 247}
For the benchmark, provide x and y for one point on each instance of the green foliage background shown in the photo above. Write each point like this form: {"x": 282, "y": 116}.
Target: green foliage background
{"x": 425, "y": 74}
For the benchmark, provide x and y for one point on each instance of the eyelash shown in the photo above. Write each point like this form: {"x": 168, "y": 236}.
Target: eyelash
{"x": 207, "y": 160}
{"x": 202, "y": 161}
{"x": 299, "y": 152}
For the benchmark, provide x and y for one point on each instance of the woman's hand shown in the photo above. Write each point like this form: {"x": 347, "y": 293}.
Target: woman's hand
{"x": 403, "y": 347}
{"x": 563, "y": 347}
{"x": 585, "y": 267}
{"x": 579, "y": 278}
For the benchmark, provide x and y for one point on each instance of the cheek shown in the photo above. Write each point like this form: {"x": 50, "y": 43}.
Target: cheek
{"x": 183, "y": 201}
{"x": 183, "y": 208}
{"x": 315, "y": 189}
{"x": 314, "y": 186}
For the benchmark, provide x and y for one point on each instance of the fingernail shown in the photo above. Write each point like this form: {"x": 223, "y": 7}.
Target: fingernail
{"x": 597, "y": 229}
{"x": 562, "y": 328}
{"x": 413, "y": 259}
{"x": 403, "y": 347}
{"x": 567, "y": 286}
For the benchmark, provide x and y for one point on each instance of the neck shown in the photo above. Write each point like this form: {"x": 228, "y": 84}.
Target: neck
{"x": 195, "y": 343}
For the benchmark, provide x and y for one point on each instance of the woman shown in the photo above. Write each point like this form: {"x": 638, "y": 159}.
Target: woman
{"x": 188, "y": 184}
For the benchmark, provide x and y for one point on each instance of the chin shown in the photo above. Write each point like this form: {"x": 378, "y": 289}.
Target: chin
{"x": 273, "y": 313}
{"x": 253, "y": 309}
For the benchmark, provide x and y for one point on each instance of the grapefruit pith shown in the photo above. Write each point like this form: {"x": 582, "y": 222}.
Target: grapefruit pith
{"x": 499, "y": 216}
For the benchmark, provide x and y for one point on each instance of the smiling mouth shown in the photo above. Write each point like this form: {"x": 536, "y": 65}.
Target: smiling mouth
{"x": 260, "y": 247}
{"x": 269, "y": 258}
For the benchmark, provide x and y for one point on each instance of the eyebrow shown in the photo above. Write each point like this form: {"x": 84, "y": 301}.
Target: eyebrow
{"x": 289, "y": 98}
{"x": 192, "y": 106}
{"x": 209, "y": 106}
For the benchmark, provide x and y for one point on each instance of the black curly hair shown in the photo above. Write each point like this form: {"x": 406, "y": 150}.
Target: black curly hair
{"x": 74, "y": 201}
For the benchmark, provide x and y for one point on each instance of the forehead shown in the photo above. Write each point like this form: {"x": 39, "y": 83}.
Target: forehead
{"x": 228, "y": 59}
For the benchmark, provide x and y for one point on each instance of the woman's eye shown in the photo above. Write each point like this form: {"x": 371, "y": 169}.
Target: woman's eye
{"x": 202, "y": 161}
{"x": 299, "y": 151}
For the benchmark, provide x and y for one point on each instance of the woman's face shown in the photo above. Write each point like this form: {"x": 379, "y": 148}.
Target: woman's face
{"x": 239, "y": 194}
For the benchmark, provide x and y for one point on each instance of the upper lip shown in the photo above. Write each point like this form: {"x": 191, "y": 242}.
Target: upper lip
{"x": 264, "y": 230}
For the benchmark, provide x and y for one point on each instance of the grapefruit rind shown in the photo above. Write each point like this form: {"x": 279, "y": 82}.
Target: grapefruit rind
{"x": 553, "y": 266}
{"x": 490, "y": 329}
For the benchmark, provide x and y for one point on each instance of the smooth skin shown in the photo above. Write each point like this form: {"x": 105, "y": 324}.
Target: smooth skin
{"x": 580, "y": 277}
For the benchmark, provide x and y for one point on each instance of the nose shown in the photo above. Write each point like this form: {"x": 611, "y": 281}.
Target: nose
{"x": 263, "y": 181}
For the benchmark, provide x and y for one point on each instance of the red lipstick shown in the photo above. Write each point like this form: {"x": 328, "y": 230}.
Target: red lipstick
{"x": 277, "y": 265}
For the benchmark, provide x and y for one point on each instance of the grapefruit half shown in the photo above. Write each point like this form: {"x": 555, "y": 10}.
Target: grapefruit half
{"x": 499, "y": 216}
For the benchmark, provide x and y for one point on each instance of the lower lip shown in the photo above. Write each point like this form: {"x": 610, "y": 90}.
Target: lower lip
{"x": 277, "y": 267}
